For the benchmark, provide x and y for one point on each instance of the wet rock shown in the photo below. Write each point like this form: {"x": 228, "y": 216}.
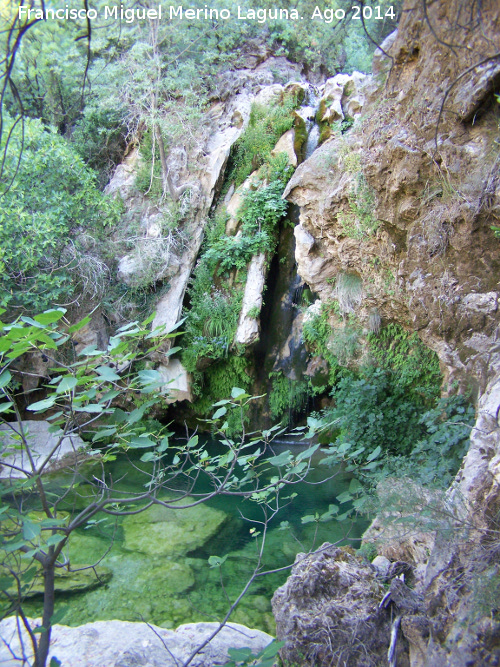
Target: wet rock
{"x": 286, "y": 145}
{"x": 269, "y": 95}
{"x": 70, "y": 582}
{"x": 331, "y": 100}
{"x": 248, "y": 323}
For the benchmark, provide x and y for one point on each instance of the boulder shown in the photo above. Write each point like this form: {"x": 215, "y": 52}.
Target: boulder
{"x": 69, "y": 582}
{"x": 331, "y": 101}
{"x": 269, "y": 95}
{"x": 160, "y": 531}
{"x": 286, "y": 145}
{"x": 124, "y": 644}
{"x": 41, "y": 443}
{"x": 178, "y": 381}
{"x": 328, "y": 611}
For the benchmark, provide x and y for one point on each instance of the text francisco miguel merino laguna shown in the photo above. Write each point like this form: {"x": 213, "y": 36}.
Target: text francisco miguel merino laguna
{"x": 129, "y": 15}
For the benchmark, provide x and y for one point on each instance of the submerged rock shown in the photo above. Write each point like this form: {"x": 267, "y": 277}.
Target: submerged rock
{"x": 160, "y": 531}
{"x": 123, "y": 644}
{"x": 71, "y": 582}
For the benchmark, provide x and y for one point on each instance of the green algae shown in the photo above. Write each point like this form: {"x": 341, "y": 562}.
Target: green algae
{"x": 161, "y": 531}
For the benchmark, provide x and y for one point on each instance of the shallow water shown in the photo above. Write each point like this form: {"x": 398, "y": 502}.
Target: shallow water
{"x": 159, "y": 561}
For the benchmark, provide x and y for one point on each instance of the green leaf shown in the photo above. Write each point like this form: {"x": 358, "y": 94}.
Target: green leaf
{"x": 107, "y": 374}
{"x": 138, "y": 413}
{"x": 6, "y": 407}
{"x": 219, "y": 413}
{"x": 344, "y": 497}
{"x": 54, "y": 662}
{"x": 6, "y": 582}
{"x": 94, "y": 408}
{"x": 216, "y": 561}
{"x": 31, "y": 530}
{"x": 374, "y": 454}
{"x": 192, "y": 442}
{"x": 240, "y": 654}
{"x": 137, "y": 442}
{"x": 54, "y": 539}
{"x": 236, "y": 392}
{"x": 79, "y": 325}
{"x": 5, "y": 378}
{"x": 67, "y": 384}
{"x": 282, "y": 459}
{"x": 39, "y": 406}
{"x": 148, "y": 456}
{"x": 106, "y": 433}
{"x": 307, "y": 453}
{"x": 50, "y": 316}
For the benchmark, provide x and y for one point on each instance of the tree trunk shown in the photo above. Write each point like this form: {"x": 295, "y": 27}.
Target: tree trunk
{"x": 48, "y": 611}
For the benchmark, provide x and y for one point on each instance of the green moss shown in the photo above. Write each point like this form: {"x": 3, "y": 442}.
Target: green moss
{"x": 265, "y": 127}
{"x": 287, "y": 397}
{"x": 300, "y": 135}
{"x": 325, "y": 131}
{"x": 415, "y": 366}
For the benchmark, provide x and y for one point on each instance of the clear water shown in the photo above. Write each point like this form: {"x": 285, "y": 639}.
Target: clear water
{"x": 168, "y": 588}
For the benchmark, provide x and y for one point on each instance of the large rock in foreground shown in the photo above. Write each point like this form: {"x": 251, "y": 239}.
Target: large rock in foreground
{"x": 328, "y": 612}
{"x": 123, "y": 644}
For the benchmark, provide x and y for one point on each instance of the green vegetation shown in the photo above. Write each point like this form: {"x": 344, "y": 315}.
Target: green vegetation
{"x": 287, "y": 397}
{"x": 359, "y": 221}
{"x": 39, "y": 520}
{"x": 212, "y": 318}
{"x": 51, "y": 220}
{"x": 414, "y": 366}
{"x": 265, "y": 127}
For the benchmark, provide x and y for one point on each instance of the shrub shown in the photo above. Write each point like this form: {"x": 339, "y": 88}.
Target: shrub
{"x": 253, "y": 149}
{"x": 414, "y": 366}
{"x": 359, "y": 221}
{"x": 43, "y": 220}
{"x": 348, "y": 292}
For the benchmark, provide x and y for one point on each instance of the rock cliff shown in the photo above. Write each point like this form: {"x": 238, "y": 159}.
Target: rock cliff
{"x": 405, "y": 201}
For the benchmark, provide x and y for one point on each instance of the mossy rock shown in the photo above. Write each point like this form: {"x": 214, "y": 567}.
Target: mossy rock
{"x": 68, "y": 582}
{"x": 87, "y": 548}
{"x": 300, "y": 137}
{"x": 160, "y": 531}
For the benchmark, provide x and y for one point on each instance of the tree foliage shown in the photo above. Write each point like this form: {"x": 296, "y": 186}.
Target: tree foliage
{"x": 104, "y": 396}
{"x": 47, "y": 221}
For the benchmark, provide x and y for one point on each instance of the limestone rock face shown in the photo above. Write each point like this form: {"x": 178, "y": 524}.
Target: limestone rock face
{"x": 332, "y": 98}
{"x": 285, "y": 145}
{"x": 328, "y": 611}
{"x": 124, "y": 644}
{"x": 160, "y": 531}
{"x": 248, "y": 324}
{"x": 424, "y": 162}
{"x": 41, "y": 443}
